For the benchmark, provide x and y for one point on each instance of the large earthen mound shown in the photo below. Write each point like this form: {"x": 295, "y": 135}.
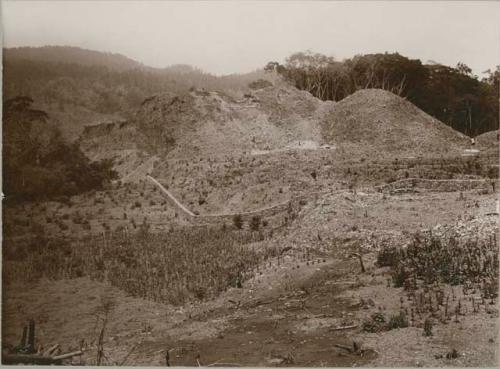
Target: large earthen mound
{"x": 377, "y": 121}
{"x": 209, "y": 124}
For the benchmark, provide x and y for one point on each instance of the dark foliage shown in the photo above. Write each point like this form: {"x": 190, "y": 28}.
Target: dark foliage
{"x": 102, "y": 82}
{"x": 378, "y": 322}
{"x": 452, "y": 95}
{"x": 387, "y": 256}
{"x": 259, "y": 84}
{"x": 255, "y": 223}
{"x": 37, "y": 163}
{"x": 444, "y": 261}
{"x": 398, "y": 321}
{"x": 174, "y": 267}
{"x": 238, "y": 221}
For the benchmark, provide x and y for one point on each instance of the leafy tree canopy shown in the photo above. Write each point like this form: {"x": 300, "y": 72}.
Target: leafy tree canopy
{"x": 38, "y": 163}
{"x": 452, "y": 95}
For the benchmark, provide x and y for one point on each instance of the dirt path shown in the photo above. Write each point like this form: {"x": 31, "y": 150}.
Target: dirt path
{"x": 294, "y": 325}
{"x": 171, "y": 197}
{"x": 395, "y": 184}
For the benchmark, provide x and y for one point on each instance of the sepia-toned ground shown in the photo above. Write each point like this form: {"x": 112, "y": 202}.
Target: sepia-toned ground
{"x": 290, "y": 312}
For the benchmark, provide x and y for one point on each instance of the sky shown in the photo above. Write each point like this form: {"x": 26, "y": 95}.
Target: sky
{"x": 224, "y": 37}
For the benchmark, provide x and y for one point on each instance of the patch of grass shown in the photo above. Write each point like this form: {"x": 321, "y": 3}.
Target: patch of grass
{"x": 398, "y": 321}
{"x": 376, "y": 323}
{"x": 255, "y": 223}
{"x": 449, "y": 261}
{"x": 174, "y": 267}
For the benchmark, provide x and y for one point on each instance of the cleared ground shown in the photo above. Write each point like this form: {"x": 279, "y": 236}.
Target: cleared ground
{"x": 287, "y": 313}
{"x": 290, "y": 192}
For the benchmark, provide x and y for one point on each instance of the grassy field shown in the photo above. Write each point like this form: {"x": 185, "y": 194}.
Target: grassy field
{"x": 177, "y": 266}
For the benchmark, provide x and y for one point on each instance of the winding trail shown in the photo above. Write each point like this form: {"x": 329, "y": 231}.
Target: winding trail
{"x": 166, "y": 192}
{"x": 310, "y": 193}
{"x": 146, "y": 166}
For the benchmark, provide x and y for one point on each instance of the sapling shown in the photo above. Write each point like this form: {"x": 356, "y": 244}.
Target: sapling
{"x": 428, "y": 327}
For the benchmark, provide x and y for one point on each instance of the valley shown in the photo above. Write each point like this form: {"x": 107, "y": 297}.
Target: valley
{"x": 268, "y": 228}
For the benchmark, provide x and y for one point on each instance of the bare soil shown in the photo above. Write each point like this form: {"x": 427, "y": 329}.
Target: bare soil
{"x": 284, "y": 316}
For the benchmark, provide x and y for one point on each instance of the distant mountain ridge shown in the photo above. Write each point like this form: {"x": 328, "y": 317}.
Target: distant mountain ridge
{"x": 87, "y": 57}
{"x": 83, "y": 87}
{"x": 72, "y": 55}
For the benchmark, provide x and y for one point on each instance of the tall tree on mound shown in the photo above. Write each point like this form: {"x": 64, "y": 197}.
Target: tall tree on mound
{"x": 37, "y": 162}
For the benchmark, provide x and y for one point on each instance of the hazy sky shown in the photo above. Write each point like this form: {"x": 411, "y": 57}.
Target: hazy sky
{"x": 227, "y": 37}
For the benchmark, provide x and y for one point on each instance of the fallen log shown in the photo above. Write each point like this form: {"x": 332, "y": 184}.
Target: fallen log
{"x": 347, "y": 348}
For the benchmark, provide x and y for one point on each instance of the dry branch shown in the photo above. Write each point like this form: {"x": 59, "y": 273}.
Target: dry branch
{"x": 68, "y": 355}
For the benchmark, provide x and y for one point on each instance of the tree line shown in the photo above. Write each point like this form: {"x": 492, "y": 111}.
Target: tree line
{"x": 102, "y": 89}
{"x": 451, "y": 94}
{"x": 38, "y": 163}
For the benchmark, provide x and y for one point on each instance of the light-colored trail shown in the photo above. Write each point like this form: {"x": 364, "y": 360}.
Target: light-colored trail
{"x": 310, "y": 193}
{"x": 166, "y": 192}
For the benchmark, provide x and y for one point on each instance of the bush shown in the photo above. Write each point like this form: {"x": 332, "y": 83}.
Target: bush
{"x": 259, "y": 84}
{"x": 398, "y": 321}
{"x": 50, "y": 166}
{"x": 400, "y": 275}
{"x": 238, "y": 221}
{"x": 255, "y": 223}
{"x": 376, "y": 323}
{"x": 493, "y": 172}
{"x": 387, "y": 256}
{"x": 172, "y": 267}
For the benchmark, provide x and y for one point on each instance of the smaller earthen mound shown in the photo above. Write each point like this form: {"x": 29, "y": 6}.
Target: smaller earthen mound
{"x": 489, "y": 140}
{"x": 379, "y": 122}
{"x": 285, "y": 104}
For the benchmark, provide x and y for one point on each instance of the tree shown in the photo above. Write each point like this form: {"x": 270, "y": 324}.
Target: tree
{"x": 463, "y": 69}
{"x": 38, "y": 163}
{"x": 452, "y": 95}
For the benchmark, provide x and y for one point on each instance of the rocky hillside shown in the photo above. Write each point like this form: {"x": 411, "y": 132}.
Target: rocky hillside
{"x": 219, "y": 154}
{"x": 82, "y": 87}
{"x": 213, "y": 124}
{"x": 276, "y": 118}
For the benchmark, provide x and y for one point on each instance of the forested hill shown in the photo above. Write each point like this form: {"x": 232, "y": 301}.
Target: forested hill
{"x": 83, "y": 87}
{"x": 38, "y": 163}
{"x": 451, "y": 94}
{"x": 72, "y": 55}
